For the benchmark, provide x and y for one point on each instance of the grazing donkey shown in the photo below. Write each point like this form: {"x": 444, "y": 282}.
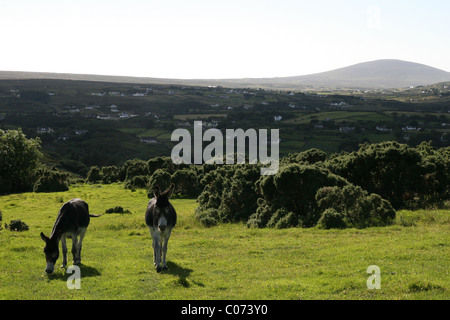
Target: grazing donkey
{"x": 160, "y": 218}
{"x": 72, "y": 221}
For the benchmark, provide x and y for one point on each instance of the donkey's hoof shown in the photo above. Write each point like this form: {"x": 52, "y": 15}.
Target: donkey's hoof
{"x": 159, "y": 269}
{"x": 165, "y": 268}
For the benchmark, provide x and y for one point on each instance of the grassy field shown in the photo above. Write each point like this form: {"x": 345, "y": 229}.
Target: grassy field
{"x": 225, "y": 262}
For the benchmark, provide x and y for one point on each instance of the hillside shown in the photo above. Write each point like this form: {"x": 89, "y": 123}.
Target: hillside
{"x": 377, "y": 74}
{"x": 374, "y": 74}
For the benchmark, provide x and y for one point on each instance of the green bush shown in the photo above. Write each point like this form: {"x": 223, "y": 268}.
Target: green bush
{"x": 311, "y": 156}
{"x": 132, "y": 168}
{"x": 186, "y": 183}
{"x": 283, "y": 219}
{"x": 292, "y": 189}
{"x": 358, "y": 208}
{"x": 94, "y": 175}
{"x": 331, "y": 219}
{"x": 407, "y": 177}
{"x": 161, "y": 178}
{"x": 17, "y": 225}
{"x": 208, "y": 218}
{"x": 19, "y": 160}
{"x": 230, "y": 191}
{"x": 117, "y": 209}
{"x": 109, "y": 174}
{"x": 51, "y": 181}
{"x": 137, "y": 182}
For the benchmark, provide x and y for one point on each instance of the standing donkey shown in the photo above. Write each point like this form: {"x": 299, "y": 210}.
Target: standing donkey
{"x": 160, "y": 218}
{"x": 72, "y": 221}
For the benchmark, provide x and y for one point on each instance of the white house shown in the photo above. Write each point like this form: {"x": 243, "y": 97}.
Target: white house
{"x": 347, "y": 129}
{"x": 149, "y": 140}
{"x": 44, "y": 130}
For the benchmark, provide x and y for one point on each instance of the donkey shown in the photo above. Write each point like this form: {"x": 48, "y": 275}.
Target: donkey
{"x": 72, "y": 221}
{"x": 160, "y": 218}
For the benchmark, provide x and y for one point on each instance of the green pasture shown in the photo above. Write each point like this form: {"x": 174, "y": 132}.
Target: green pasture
{"x": 229, "y": 261}
{"x": 339, "y": 116}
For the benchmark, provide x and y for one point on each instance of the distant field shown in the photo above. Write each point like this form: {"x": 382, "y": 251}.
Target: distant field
{"x": 199, "y": 116}
{"x": 225, "y": 262}
{"x": 338, "y": 116}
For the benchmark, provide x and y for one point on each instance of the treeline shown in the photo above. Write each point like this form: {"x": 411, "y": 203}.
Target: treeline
{"x": 358, "y": 189}
{"x": 21, "y": 168}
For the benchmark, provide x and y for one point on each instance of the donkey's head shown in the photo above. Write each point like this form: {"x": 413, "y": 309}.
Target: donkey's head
{"x": 51, "y": 253}
{"x": 163, "y": 208}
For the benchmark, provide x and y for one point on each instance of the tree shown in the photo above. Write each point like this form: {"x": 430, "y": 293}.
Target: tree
{"x": 19, "y": 159}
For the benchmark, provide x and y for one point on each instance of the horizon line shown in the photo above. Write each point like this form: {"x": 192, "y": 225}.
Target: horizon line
{"x": 209, "y": 79}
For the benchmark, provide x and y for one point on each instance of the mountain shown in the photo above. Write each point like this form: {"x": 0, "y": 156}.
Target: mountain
{"x": 377, "y": 74}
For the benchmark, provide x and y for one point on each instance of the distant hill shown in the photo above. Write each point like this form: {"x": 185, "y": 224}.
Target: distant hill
{"x": 367, "y": 75}
{"x": 376, "y": 74}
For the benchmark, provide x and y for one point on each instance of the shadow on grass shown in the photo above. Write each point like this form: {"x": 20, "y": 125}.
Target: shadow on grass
{"x": 182, "y": 274}
{"x": 86, "y": 271}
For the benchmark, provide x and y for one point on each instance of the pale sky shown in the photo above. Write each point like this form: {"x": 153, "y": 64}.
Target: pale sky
{"x": 219, "y": 39}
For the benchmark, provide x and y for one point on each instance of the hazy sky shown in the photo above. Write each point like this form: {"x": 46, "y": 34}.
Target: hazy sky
{"x": 219, "y": 39}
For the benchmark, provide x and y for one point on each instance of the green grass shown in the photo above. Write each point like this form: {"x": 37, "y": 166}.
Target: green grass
{"x": 229, "y": 261}
{"x": 339, "y": 116}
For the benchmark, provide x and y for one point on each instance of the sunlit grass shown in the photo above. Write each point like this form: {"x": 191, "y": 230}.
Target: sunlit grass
{"x": 229, "y": 261}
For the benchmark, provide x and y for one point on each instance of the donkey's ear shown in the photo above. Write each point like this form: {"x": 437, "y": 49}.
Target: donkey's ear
{"x": 170, "y": 190}
{"x": 44, "y": 237}
{"x": 157, "y": 191}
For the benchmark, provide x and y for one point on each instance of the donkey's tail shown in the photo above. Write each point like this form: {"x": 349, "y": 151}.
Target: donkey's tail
{"x": 95, "y": 215}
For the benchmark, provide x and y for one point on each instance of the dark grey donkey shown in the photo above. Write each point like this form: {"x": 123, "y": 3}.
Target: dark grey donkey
{"x": 72, "y": 221}
{"x": 160, "y": 218}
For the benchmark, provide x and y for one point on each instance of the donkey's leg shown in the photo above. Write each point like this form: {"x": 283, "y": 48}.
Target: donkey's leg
{"x": 77, "y": 260}
{"x": 64, "y": 251}
{"x": 164, "y": 250}
{"x": 156, "y": 249}
{"x": 74, "y": 247}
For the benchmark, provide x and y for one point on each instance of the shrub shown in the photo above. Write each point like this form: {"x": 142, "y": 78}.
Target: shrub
{"x": 358, "y": 208}
{"x": 94, "y": 175}
{"x": 239, "y": 199}
{"x": 132, "y": 168}
{"x": 292, "y": 189}
{"x": 138, "y": 182}
{"x": 208, "y": 218}
{"x": 109, "y": 174}
{"x": 400, "y": 174}
{"x": 19, "y": 159}
{"x": 17, "y": 225}
{"x": 186, "y": 183}
{"x": 311, "y": 156}
{"x": 117, "y": 209}
{"x": 230, "y": 191}
{"x": 161, "y": 178}
{"x": 51, "y": 181}
{"x": 331, "y": 219}
{"x": 283, "y": 219}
